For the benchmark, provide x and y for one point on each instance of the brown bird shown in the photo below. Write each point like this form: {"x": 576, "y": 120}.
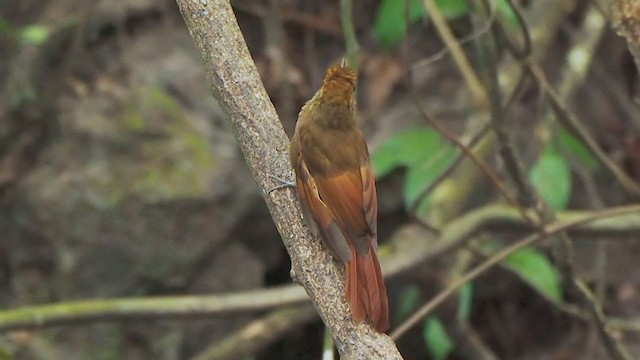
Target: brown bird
{"x": 337, "y": 191}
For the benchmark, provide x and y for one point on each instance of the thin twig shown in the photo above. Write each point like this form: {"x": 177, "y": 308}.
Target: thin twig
{"x": 441, "y": 129}
{"x": 527, "y": 48}
{"x": 474, "y": 139}
{"x": 547, "y": 15}
{"x": 349, "y": 31}
{"x": 601, "y": 258}
{"x": 513, "y": 167}
{"x": 481, "y": 350}
{"x": 480, "y": 98}
{"x": 579, "y": 57}
{"x": 573, "y": 125}
{"x": 545, "y": 232}
{"x": 471, "y": 143}
{"x": 258, "y": 334}
{"x": 473, "y": 83}
{"x": 616, "y": 92}
{"x": 613, "y": 346}
{"x": 631, "y": 325}
{"x": 463, "y": 40}
{"x": 326, "y": 24}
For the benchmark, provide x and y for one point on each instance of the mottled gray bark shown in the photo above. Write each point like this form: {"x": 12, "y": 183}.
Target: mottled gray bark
{"x": 236, "y": 84}
{"x": 626, "y": 21}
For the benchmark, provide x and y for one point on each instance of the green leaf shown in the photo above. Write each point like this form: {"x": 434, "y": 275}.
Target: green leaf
{"x": 5, "y": 27}
{"x": 506, "y": 13}
{"x": 551, "y": 178}
{"x": 408, "y": 301}
{"x": 464, "y": 302}
{"x": 536, "y": 269}
{"x": 390, "y": 25}
{"x": 422, "y": 175}
{"x": 452, "y": 9}
{"x": 5, "y": 354}
{"x": 438, "y": 341}
{"x": 572, "y": 145}
{"x": 405, "y": 148}
{"x": 422, "y": 151}
{"x": 34, "y": 34}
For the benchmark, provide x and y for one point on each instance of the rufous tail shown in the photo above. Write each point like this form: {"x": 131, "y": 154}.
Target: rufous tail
{"x": 365, "y": 290}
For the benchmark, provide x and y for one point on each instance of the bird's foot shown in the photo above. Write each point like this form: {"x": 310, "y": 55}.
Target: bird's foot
{"x": 282, "y": 184}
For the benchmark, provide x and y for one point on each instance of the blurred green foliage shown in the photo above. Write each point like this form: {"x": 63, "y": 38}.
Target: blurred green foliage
{"x": 438, "y": 341}
{"x": 31, "y": 34}
{"x": 34, "y": 34}
{"x": 390, "y": 25}
{"x": 551, "y": 177}
{"x": 423, "y": 153}
{"x": 409, "y": 300}
{"x": 535, "y": 268}
{"x": 464, "y": 301}
{"x": 570, "y": 145}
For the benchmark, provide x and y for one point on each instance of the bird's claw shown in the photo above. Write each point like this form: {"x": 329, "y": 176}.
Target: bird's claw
{"x": 283, "y": 184}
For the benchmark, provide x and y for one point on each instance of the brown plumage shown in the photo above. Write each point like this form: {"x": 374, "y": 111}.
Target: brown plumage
{"x": 338, "y": 193}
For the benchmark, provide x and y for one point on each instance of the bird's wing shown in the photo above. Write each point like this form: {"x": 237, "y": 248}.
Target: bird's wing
{"x": 369, "y": 199}
{"x": 351, "y": 197}
{"x": 317, "y": 215}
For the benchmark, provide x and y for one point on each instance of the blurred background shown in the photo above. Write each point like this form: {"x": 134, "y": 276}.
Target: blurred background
{"x": 120, "y": 177}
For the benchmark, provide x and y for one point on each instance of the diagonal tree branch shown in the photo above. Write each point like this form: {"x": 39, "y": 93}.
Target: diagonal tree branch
{"x": 549, "y": 230}
{"x": 235, "y": 83}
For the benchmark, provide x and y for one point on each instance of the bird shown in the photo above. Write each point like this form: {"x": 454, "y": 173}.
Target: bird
{"x": 337, "y": 191}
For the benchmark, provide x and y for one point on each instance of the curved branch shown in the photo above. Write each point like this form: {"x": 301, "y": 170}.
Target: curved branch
{"x": 258, "y": 334}
{"x": 166, "y": 307}
{"x": 236, "y": 85}
{"x": 551, "y": 229}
